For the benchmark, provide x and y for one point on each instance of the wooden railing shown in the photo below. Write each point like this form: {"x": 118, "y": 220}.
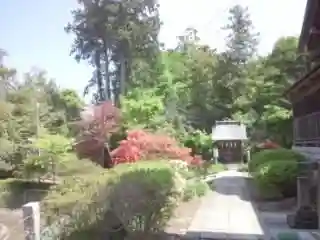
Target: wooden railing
{"x": 307, "y": 130}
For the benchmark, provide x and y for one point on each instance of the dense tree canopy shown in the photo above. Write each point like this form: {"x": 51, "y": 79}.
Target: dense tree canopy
{"x": 30, "y": 106}
{"x": 177, "y": 90}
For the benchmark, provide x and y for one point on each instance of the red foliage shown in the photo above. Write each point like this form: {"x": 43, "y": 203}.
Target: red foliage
{"x": 268, "y": 144}
{"x": 197, "y": 161}
{"x": 141, "y": 145}
{"x": 96, "y": 125}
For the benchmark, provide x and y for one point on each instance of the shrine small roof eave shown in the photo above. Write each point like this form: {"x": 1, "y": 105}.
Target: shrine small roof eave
{"x": 302, "y": 80}
{"x": 229, "y": 133}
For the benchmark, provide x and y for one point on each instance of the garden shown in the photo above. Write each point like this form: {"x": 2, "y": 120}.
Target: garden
{"x": 137, "y": 183}
{"x": 121, "y": 162}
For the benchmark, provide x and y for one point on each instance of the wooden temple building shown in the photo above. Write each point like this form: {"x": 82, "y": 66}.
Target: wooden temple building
{"x": 304, "y": 94}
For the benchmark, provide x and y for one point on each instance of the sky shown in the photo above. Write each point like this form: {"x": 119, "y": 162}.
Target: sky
{"x": 32, "y": 31}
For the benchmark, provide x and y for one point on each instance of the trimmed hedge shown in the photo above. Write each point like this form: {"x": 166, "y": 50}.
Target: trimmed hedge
{"x": 270, "y": 155}
{"x": 142, "y": 196}
{"x": 277, "y": 179}
{"x": 275, "y": 172}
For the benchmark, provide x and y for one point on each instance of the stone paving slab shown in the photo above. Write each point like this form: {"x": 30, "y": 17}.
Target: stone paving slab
{"x": 226, "y": 212}
{"x": 11, "y": 224}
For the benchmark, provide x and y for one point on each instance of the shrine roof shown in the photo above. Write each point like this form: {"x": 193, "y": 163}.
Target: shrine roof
{"x": 230, "y": 131}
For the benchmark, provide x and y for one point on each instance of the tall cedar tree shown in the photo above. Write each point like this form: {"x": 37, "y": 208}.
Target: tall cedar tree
{"x": 110, "y": 34}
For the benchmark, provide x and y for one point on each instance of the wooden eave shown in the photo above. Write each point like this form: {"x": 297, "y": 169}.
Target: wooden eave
{"x": 309, "y": 44}
{"x": 305, "y": 86}
{"x": 309, "y": 27}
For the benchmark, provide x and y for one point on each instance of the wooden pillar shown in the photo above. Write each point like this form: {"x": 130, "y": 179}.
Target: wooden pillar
{"x": 318, "y": 193}
{"x": 307, "y": 60}
{"x": 304, "y": 184}
{"x": 303, "y": 191}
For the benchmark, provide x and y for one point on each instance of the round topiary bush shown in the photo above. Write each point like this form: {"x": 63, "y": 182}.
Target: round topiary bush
{"x": 270, "y": 155}
{"x": 277, "y": 179}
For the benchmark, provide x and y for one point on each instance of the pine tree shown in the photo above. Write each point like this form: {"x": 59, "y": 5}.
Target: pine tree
{"x": 110, "y": 34}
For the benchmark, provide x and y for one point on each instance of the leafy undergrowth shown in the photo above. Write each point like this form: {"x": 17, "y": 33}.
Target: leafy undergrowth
{"x": 139, "y": 193}
{"x": 195, "y": 186}
{"x": 142, "y": 196}
{"x": 14, "y": 192}
{"x": 194, "y": 189}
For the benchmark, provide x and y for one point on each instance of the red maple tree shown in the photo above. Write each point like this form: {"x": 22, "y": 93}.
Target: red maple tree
{"x": 97, "y": 124}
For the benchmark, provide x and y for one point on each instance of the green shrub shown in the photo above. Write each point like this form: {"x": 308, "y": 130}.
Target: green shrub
{"x": 15, "y": 192}
{"x": 148, "y": 194}
{"x": 277, "y": 178}
{"x": 50, "y": 151}
{"x": 71, "y": 165}
{"x": 194, "y": 189}
{"x": 143, "y": 111}
{"x": 187, "y": 173}
{"x": 141, "y": 196}
{"x": 270, "y": 155}
{"x": 200, "y": 143}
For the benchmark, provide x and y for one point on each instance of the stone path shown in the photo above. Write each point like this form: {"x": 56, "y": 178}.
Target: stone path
{"x": 11, "y": 225}
{"x": 227, "y": 212}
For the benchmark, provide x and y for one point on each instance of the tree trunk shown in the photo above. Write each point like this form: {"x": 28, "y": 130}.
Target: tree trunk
{"x": 99, "y": 76}
{"x": 107, "y": 76}
{"x": 122, "y": 79}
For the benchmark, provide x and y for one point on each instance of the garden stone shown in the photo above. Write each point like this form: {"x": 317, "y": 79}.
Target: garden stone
{"x": 303, "y": 191}
{"x": 304, "y": 218}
